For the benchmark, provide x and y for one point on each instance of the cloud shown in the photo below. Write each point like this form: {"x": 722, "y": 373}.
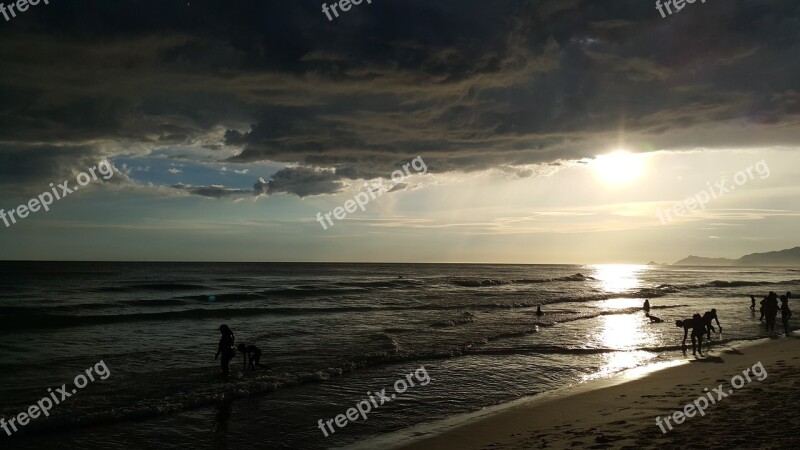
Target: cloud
{"x": 212, "y": 191}
{"x": 515, "y": 86}
{"x": 300, "y": 181}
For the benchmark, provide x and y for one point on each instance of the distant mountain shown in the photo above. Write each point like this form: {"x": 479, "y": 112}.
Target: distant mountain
{"x": 783, "y": 258}
{"x": 789, "y": 257}
{"x": 703, "y": 261}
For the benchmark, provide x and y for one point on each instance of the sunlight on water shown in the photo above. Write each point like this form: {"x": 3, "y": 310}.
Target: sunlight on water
{"x": 616, "y": 278}
{"x": 620, "y": 303}
{"x": 626, "y": 333}
{"x": 622, "y": 331}
{"x": 619, "y": 361}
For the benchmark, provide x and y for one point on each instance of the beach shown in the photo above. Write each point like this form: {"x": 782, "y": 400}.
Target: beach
{"x": 621, "y": 412}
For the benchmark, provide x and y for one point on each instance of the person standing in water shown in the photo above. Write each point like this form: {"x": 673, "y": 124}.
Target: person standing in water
{"x": 785, "y": 312}
{"x": 226, "y": 348}
{"x": 646, "y": 306}
{"x": 698, "y": 330}
{"x": 771, "y": 311}
{"x": 753, "y": 303}
{"x": 539, "y": 312}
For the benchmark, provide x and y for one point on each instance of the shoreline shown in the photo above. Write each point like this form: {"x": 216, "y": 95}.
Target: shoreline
{"x": 610, "y": 412}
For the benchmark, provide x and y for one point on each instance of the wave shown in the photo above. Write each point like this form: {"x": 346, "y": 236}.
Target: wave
{"x": 482, "y": 282}
{"x": 399, "y": 282}
{"x": 722, "y": 283}
{"x": 224, "y": 298}
{"x": 152, "y": 287}
{"x": 23, "y": 318}
{"x": 311, "y": 291}
{"x": 479, "y": 282}
{"x": 465, "y": 318}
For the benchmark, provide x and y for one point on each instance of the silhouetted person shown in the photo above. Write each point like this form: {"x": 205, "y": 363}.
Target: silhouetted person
{"x": 753, "y": 304}
{"x": 226, "y": 348}
{"x": 785, "y": 313}
{"x": 253, "y": 352}
{"x": 646, "y": 306}
{"x": 708, "y": 317}
{"x": 761, "y": 310}
{"x": 771, "y": 311}
{"x": 539, "y": 312}
{"x": 698, "y": 330}
{"x": 653, "y": 319}
{"x": 686, "y": 324}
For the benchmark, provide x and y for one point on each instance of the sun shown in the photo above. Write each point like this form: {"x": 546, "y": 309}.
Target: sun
{"x": 619, "y": 167}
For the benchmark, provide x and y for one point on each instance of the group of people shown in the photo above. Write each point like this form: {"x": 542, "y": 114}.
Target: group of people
{"x": 700, "y": 325}
{"x": 769, "y": 310}
{"x": 703, "y": 325}
{"x": 227, "y": 348}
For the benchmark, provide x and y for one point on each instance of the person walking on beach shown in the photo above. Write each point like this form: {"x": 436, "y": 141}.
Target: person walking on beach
{"x": 753, "y": 304}
{"x": 646, "y": 306}
{"x": 785, "y": 312}
{"x": 707, "y": 318}
{"x": 226, "y": 348}
{"x": 761, "y": 310}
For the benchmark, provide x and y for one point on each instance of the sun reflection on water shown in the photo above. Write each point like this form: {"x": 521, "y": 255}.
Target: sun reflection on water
{"x": 623, "y": 332}
{"x": 618, "y": 278}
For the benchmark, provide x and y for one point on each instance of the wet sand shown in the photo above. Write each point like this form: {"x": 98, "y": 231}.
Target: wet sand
{"x": 621, "y": 412}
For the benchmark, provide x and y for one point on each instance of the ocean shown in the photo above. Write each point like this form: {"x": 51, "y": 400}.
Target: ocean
{"x": 331, "y": 333}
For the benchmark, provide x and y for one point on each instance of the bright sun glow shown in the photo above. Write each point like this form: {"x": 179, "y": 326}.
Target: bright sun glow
{"x": 619, "y": 167}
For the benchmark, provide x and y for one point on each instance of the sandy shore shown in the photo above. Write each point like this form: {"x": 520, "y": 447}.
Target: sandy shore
{"x": 621, "y": 412}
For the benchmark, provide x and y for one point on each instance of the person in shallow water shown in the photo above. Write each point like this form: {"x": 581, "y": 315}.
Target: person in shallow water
{"x": 771, "y": 311}
{"x": 253, "y": 352}
{"x": 653, "y": 319}
{"x": 539, "y": 312}
{"x": 226, "y": 348}
{"x": 646, "y": 306}
{"x": 698, "y": 330}
{"x": 785, "y": 312}
{"x": 689, "y": 324}
{"x": 707, "y": 318}
{"x": 753, "y": 304}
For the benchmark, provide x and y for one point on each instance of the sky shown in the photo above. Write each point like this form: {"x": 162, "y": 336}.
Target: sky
{"x": 562, "y": 131}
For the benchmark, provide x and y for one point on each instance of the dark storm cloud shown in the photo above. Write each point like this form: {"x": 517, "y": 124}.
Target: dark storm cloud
{"x": 300, "y": 181}
{"x": 469, "y": 85}
{"x": 25, "y": 169}
{"x": 213, "y": 191}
